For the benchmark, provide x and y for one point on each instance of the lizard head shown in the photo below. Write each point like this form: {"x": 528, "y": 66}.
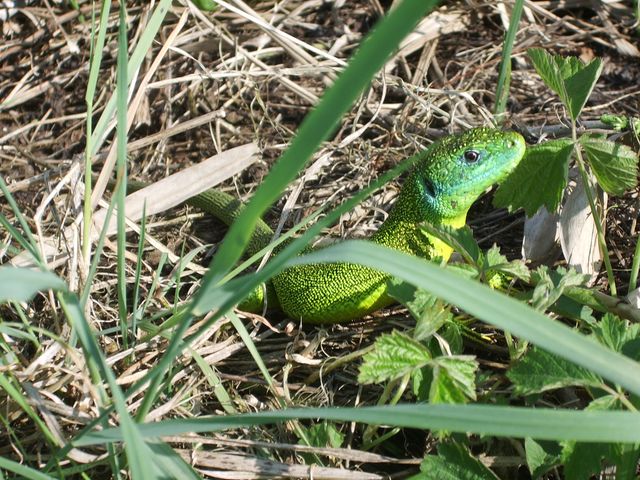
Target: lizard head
{"x": 455, "y": 171}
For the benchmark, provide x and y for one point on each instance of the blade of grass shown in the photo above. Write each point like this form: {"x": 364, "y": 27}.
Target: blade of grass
{"x": 540, "y": 423}
{"x": 139, "y": 455}
{"x": 488, "y": 305}
{"x": 121, "y": 166}
{"x": 316, "y": 127}
{"x": 137, "y": 57}
{"x": 504, "y": 78}
{"x": 14, "y": 393}
{"x": 22, "y": 470}
{"x": 96, "y": 48}
{"x": 26, "y": 238}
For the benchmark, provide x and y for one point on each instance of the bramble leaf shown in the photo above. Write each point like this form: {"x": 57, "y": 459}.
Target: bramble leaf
{"x": 571, "y": 79}
{"x": 539, "y": 371}
{"x": 454, "y": 379}
{"x": 538, "y": 180}
{"x": 541, "y": 456}
{"x": 615, "y": 165}
{"x": 393, "y": 356}
{"x": 453, "y": 462}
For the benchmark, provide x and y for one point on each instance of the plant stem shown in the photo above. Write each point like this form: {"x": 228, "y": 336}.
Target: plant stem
{"x": 504, "y": 79}
{"x": 594, "y": 211}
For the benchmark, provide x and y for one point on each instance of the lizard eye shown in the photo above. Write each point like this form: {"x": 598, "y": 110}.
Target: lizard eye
{"x": 471, "y": 156}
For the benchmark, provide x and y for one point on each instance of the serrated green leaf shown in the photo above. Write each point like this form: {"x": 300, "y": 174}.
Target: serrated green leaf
{"x": 393, "y": 356}
{"x": 552, "y": 69}
{"x": 568, "y": 77}
{"x": 453, "y": 379}
{"x": 494, "y": 261}
{"x": 539, "y": 179}
{"x": 539, "y": 371}
{"x": 324, "y": 434}
{"x": 617, "y": 122}
{"x": 429, "y": 312}
{"x": 20, "y": 284}
{"x": 582, "y": 460}
{"x": 454, "y": 462}
{"x": 615, "y": 165}
{"x": 541, "y": 456}
{"x": 550, "y": 286}
{"x": 580, "y": 85}
{"x": 614, "y": 332}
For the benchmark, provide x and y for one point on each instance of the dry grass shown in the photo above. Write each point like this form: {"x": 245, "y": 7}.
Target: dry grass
{"x": 227, "y": 80}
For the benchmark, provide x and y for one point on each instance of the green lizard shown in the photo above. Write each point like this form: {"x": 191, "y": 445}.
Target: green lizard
{"x": 448, "y": 177}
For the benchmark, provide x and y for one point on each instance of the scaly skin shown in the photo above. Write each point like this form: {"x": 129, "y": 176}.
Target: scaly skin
{"x": 444, "y": 184}
{"x": 440, "y": 190}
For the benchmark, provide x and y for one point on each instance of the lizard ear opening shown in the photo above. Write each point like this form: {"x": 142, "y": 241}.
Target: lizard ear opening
{"x": 429, "y": 188}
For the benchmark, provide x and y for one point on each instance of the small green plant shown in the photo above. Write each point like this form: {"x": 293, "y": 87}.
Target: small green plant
{"x": 540, "y": 179}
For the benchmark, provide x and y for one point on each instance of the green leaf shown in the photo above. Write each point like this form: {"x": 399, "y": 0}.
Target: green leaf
{"x": 429, "y": 312}
{"x": 542, "y": 423}
{"x": 553, "y": 69}
{"x": 617, "y": 122}
{"x": 582, "y": 460}
{"x": 572, "y": 80}
{"x": 614, "y": 332}
{"x": 324, "y": 434}
{"x": 393, "y": 356}
{"x": 205, "y": 5}
{"x": 551, "y": 285}
{"x": 453, "y": 379}
{"x": 539, "y": 179}
{"x": 460, "y": 239}
{"x": 626, "y": 459}
{"x": 21, "y": 284}
{"x": 453, "y": 462}
{"x": 495, "y": 263}
{"x": 539, "y": 371}
{"x": 580, "y": 85}
{"x": 421, "y": 379}
{"x": 541, "y": 456}
{"x": 615, "y": 165}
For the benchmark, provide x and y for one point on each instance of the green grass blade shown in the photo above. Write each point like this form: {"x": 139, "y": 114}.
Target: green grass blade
{"x": 26, "y": 238}
{"x": 488, "y": 305}
{"x": 121, "y": 166}
{"x": 7, "y": 385}
{"x": 137, "y": 57}
{"x": 540, "y": 423}
{"x": 139, "y": 455}
{"x": 96, "y": 49}
{"x": 318, "y": 125}
{"x": 253, "y": 350}
{"x": 504, "y": 78}
{"x": 22, "y": 471}
{"x": 20, "y": 284}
